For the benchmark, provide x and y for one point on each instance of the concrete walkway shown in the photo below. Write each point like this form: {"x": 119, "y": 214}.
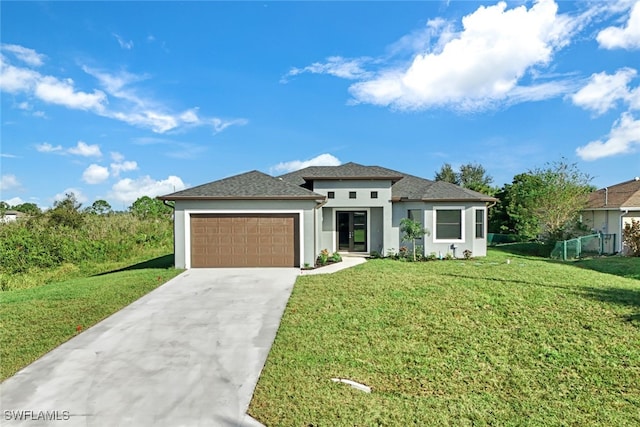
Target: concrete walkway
{"x": 347, "y": 262}
{"x": 187, "y": 354}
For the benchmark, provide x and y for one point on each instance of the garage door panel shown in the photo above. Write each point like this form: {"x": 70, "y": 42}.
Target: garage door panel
{"x": 260, "y": 240}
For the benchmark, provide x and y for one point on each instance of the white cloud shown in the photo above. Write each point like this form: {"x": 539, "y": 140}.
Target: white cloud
{"x": 14, "y": 79}
{"x": 128, "y": 45}
{"x": 24, "y": 54}
{"x": 8, "y": 156}
{"x": 85, "y": 150}
{"x": 623, "y": 138}
{"x": 627, "y": 37}
{"x": 9, "y": 182}
{"x": 80, "y": 197}
{"x": 129, "y": 190}
{"x": 121, "y": 165}
{"x": 477, "y": 67}
{"x": 335, "y": 66}
{"x": 15, "y": 201}
{"x": 55, "y": 91}
{"x": 45, "y": 147}
{"x": 604, "y": 90}
{"x": 95, "y": 174}
{"x": 294, "y": 165}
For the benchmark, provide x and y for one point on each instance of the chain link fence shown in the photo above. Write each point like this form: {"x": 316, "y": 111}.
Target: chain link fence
{"x": 592, "y": 245}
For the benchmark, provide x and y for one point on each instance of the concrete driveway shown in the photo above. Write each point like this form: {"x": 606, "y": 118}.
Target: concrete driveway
{"x": 187, "y": 354}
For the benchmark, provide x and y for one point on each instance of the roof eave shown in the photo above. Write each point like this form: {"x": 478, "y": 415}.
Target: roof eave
{"x": 407, "y": 199}
{"x": 175, "y": 198}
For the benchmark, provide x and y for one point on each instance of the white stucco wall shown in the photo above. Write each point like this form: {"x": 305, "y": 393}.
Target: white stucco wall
{"x": 183, "y": 210}
{"x": 608, "y": 221}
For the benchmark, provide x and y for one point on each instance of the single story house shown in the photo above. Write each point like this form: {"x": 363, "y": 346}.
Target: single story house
{"x": 610, "y": 208}
{"x": 10, "y": 216}
{"x": 254, "y": 219}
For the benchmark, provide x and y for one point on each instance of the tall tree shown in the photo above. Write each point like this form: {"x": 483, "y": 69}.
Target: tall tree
{"x": 99, "y": 207}
{"x": 447, "y": 174}
{"x": 146, "y": 207}
{"x": 67, "y": 212}
{"x": 474, "y": 177}
{"x": 28, "y": 208}
{"x": 546, "y": 202}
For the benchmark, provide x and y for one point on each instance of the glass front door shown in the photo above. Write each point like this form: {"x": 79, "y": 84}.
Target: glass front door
{"x": 352, "y": 231}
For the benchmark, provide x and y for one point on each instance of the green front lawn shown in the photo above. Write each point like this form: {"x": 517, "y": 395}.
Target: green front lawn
{"x": 477, "y": 342}
{"x": 36, "y": 320}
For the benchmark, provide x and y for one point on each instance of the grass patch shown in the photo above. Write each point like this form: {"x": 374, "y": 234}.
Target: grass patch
{"x": 34, "y": 321}
{"x": 620, "y": 266}
{"x": 478, "y": 342}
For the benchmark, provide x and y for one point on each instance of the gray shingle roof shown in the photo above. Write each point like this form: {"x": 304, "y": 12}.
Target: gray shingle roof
{"x": 250, "y": 185}
{"x": 258, "y": 185}
{"x": 346, "y": 171}
{"x": 404, "y": 186}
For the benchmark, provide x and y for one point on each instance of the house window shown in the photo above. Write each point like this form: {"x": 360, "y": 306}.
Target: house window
{"x": 415, "y": 215}
{"x": 374, "y": 194}
{"x": 331, "y": 194}
{"x": 480, "y": 224}
{"x": 352, "y": 194}
{"x": 448, "y": 224}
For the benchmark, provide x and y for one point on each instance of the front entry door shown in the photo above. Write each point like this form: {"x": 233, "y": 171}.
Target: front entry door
{"x": 352, "y": 231}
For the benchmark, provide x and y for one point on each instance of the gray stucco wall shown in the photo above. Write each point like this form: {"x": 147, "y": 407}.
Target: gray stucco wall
{"x": 183, "y": 209}
{"x": 378, "y": 210}
{"x": 477, "y": 246}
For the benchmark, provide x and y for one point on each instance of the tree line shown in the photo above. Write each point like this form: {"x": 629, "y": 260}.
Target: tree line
{"x": 542, "y": 203}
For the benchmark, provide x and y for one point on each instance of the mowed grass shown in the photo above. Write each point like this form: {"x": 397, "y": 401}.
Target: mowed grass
{"x": 479, "y": 342}
{"x": 36, "y": 320}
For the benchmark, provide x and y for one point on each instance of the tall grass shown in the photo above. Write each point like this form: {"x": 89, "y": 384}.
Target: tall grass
{"x": 37, "y": 251}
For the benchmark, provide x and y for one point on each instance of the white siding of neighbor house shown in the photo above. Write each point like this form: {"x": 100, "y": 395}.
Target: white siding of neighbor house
{"x": 184, "y": 208}
{"x": 477, "y": 246}
{"x": 379, "y": 211}
{"x": 607, "y": 221}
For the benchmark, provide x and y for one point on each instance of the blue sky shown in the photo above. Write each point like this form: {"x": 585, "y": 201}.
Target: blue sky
{"x": 117, "y": 100}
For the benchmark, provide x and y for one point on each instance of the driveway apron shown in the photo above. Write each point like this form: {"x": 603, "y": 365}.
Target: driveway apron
{"x": 187, "y": 354}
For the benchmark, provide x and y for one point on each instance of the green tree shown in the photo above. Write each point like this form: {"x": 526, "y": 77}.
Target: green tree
{"x": 447, "y": 174}
{"x": 4, "y": 206}
{"x": 474, "y": 177}
{"x": 99, "y": 207}
{"x": 66, "y": 212}
{"x": 412, "y": 230}
{"x": 545, "y": 202}
{"x": 146, "y": 207}
{"x": 28, "y": 208}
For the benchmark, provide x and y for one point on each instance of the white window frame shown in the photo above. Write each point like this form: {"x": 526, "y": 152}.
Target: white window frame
{"x": 462, "y": 224}
{"x": 484, "y": 223}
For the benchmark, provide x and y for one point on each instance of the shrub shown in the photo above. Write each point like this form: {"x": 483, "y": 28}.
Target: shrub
{"x": 323, "y": 258}
{"x": 631, "y": 237}
{"x": 336, "y": 257}
{"x": 467, "y": 254}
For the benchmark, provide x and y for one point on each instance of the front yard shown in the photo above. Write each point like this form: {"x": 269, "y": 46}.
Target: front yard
{"x": 479, "y": 342}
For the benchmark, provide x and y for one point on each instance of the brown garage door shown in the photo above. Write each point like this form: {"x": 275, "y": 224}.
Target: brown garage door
{"x": 221, "y": 240}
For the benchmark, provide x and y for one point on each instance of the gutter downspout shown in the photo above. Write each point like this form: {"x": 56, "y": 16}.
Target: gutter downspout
{"x": 626, "y": 211}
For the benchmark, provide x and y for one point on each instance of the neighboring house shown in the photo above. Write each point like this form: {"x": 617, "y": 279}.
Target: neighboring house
{"x": 10, "y": 216}
{"x": 610, "y": 208}
{"x": 254, "y": 219}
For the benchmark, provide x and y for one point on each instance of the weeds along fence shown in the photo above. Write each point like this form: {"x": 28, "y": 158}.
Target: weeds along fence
{"x": 494, "y": 239}
{"x": 592, "y": 245}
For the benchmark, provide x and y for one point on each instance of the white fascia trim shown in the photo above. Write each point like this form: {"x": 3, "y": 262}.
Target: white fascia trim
{"x": 462, "y": 209}
{"x": 189, "y": 212}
